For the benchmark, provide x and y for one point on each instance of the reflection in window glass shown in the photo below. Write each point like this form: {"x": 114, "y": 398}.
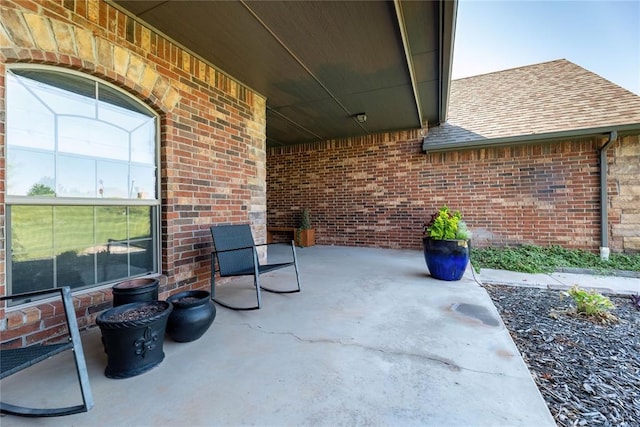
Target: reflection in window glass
{"x": 113, "y": 180}
{"x": 76, "y": 177}
{"x": 126, "y": 119}
{"x": 31, "y": 275}
{"x": 143, "y": 144}
{"x": 71, "y": 138}
{"x": 64, "y": 102}
{"x": 73, "y": 227}
{"x": 92, "y": 138}
{"x": 29, "y": 122}
{"x": 75, "y": 268}
{"x": 31, "y": 232}
{"x": 65, "y": 119}
{"x": 111, "y": 224}
{"x": 30, "y": 173}
{"x": 139, "y": 222}
{"x": 143, "y": 180}
{"x": 111, "y": 96}
{"x": 79, "y": 246}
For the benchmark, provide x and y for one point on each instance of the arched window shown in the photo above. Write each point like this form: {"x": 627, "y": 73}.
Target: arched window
{"x": 82, "y": 181}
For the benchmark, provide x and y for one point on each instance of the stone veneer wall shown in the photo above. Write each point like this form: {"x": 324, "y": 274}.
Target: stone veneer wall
{"x": 379, "y": 190}
{"x": 212, "y": 137}
{"x": 624, "y": 195}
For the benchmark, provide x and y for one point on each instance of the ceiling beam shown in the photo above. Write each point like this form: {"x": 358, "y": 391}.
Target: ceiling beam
{"x": 305, "y": 68}
{"x": 294, "y": 123}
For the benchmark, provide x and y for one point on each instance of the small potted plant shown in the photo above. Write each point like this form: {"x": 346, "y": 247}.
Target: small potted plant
{"x": 446, "y": 244}
{"x": 305, "y": 235}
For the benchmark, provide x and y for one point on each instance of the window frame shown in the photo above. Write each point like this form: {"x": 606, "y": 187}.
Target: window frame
{"x": 155, "y": 204}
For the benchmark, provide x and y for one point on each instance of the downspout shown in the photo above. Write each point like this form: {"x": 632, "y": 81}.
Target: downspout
{"x": 604, "y": 198}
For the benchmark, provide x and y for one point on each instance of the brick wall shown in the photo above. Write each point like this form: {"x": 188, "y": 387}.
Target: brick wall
{"x": 212, "y": 132}
{"x": 379, "y": 190}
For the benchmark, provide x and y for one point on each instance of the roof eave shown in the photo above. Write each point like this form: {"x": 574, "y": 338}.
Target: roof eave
{"x": 448, "y": 13}
{"x": 527, "y": 139}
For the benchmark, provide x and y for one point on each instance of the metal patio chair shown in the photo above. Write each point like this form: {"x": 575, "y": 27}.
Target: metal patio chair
{"x": 237, "y": 255}
{"x": 16, "y": 359}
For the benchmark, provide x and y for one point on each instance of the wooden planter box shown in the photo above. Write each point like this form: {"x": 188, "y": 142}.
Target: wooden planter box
{"x": 305, "y": 237}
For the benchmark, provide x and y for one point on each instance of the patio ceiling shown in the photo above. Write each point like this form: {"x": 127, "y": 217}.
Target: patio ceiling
{"x": 321, "y": 63}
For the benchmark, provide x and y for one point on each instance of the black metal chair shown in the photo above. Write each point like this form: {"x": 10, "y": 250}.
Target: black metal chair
{"x": 16, "y": 359}
{"x": 237, "y": 255}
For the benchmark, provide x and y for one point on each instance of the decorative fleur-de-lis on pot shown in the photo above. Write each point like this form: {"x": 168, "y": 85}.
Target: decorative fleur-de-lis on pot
{"x": 146, "y": 343}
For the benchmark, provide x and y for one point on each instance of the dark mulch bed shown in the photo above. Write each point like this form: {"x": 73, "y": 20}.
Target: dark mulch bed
{"x": 587, "y": 372}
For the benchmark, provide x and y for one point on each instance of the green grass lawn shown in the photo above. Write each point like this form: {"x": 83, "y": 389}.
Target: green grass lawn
{"x": 537, "y": 259}
{"x": 39, "y": 232}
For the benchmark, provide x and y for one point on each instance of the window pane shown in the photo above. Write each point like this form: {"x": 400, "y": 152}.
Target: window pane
{"x": 76, "y": 177}
{"x": 113, "y": 179}
{"x": 58, "y": 81}
{"x": 75, "y": 268}
{"x": 31, "y": 232}
{"x": 31, "y": 275}
{"x": 111, "y": 224}
{"x": 141, "y": 256}
{"x": 112, "y": 266}
{"x": 109, "y": 95}
{"x": 88, "y": 137}
{"x": 30, "y": 173}
{"x": 41, "y": 233}
{"x": 29, "y": 122}
{"x": 143, "y": 182}
{"x": 126, "y": 256}
{"x": 62, "y": 101}
{"x": 74, "y": 229}
{"x": 139, "y": 222}
{"x": 31, "y": 248}
{"x": 143, "y": 143}
{"x": 126, "y": 119}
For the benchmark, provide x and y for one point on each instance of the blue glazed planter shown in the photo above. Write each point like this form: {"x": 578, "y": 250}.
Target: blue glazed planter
{"x": 446, "y": 259}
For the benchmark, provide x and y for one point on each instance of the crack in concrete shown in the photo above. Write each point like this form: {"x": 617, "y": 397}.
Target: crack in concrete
{"x": 450, "y": 364}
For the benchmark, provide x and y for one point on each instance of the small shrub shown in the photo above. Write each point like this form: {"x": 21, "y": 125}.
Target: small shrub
{"x": 305, "y": 219}
{"x": 591, "y": 303}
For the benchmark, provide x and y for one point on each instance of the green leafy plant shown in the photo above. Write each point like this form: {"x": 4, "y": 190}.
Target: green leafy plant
{"x": 590, "y": 303}
{"x": 446, "y": 225}
{"x": 547, "y": 259}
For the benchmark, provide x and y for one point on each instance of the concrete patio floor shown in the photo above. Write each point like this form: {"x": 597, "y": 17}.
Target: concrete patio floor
{"x": 372, "y": 339}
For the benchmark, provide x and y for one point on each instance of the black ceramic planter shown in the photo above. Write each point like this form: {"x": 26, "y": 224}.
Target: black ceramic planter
{"x": 133, "y": 337}
{"x": 446, "y": 259}
{"x": 136, "y": 290}
{"x": 193, "y": 312}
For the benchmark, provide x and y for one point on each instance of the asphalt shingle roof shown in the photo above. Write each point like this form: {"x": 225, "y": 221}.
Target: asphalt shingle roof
{"x": 546, "y": 98}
